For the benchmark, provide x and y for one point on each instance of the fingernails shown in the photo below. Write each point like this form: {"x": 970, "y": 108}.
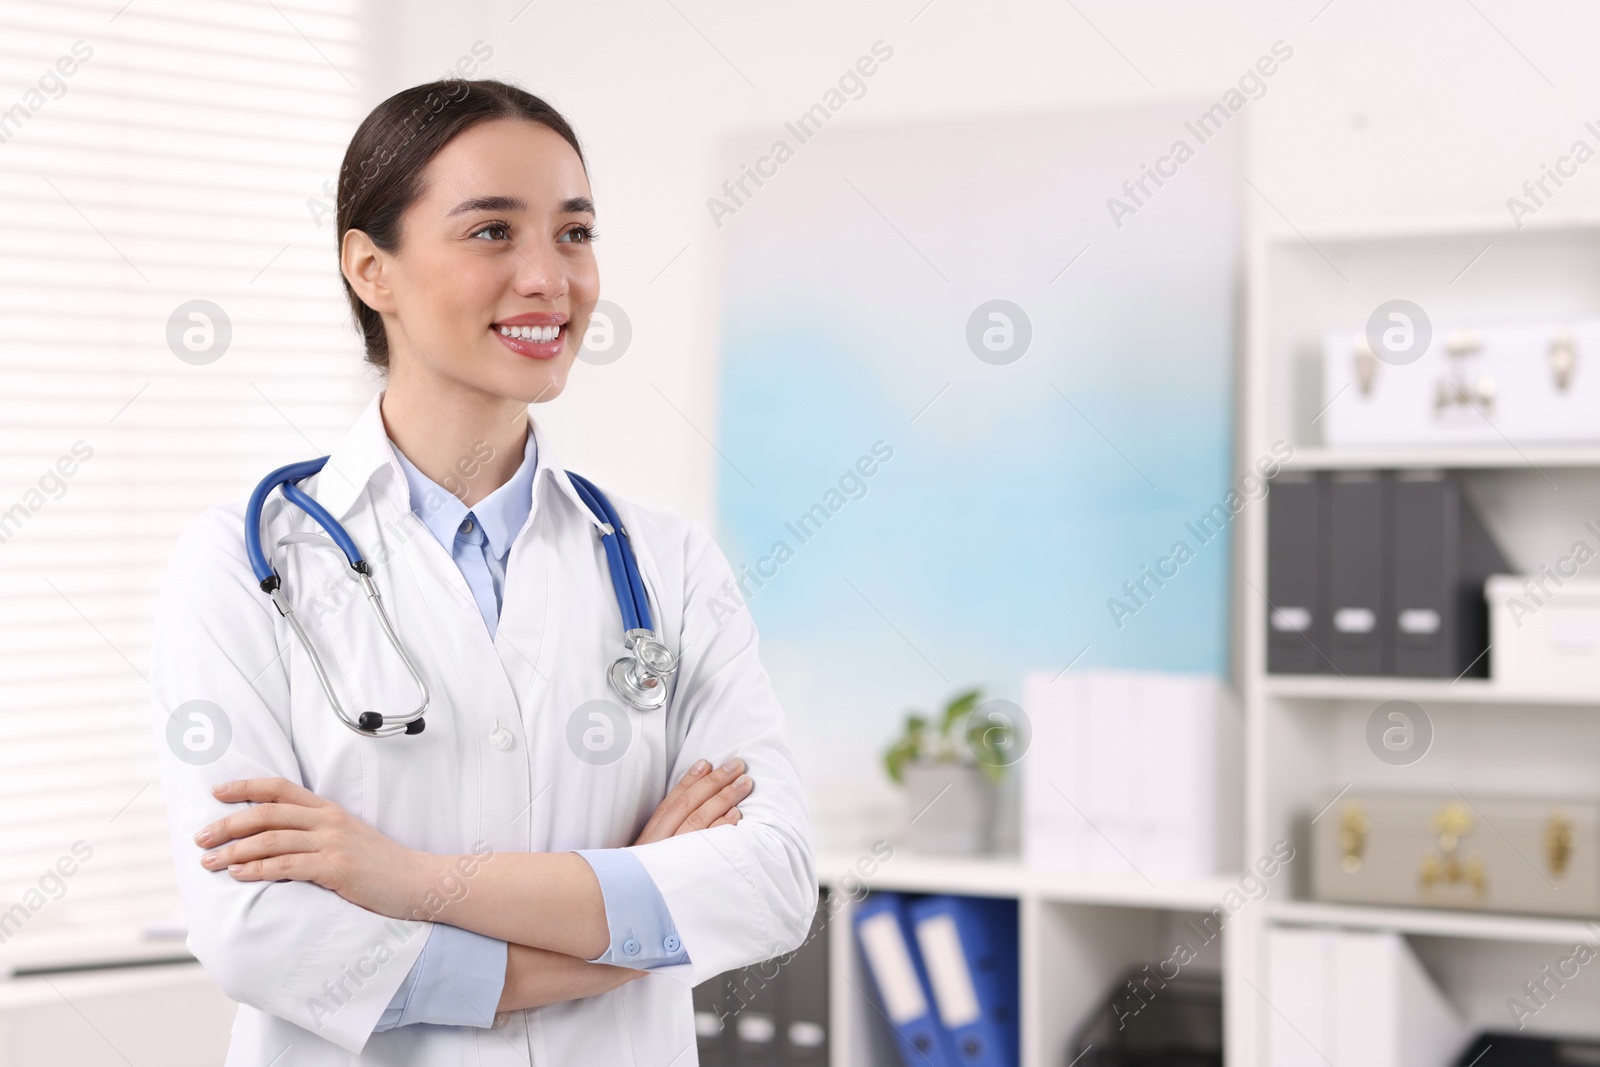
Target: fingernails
{"x": 202, "y": 836}
{"x": 700, "y": 767}
{"x": 210, "y": 859}
{"x": 743, "y": 782}
{"x": 219, "y": 787}
{"x": 732, "y": 765}
{"x": 235, "y": 868}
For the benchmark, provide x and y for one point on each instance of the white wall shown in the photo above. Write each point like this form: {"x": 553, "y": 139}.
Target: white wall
{"x": 1388, "y": 112}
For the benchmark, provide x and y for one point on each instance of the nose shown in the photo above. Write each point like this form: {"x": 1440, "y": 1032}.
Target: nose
{"x": 540, "y": 272}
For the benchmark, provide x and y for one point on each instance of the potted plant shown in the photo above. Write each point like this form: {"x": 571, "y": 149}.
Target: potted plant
{"x": 949, "y": 770}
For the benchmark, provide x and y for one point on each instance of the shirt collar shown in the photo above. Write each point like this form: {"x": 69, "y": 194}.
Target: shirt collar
{"x": 500, "y": 514}
{"x": 367, "y": 457}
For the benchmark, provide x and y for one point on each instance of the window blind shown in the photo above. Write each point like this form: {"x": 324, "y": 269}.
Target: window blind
{"x": 152, "y": 154}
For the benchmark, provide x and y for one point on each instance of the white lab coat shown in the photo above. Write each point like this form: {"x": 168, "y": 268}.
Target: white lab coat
{"x": 313, "y": 972}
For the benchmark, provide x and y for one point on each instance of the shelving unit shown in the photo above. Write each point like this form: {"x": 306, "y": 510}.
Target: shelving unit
{"x": 1305, "y": 733}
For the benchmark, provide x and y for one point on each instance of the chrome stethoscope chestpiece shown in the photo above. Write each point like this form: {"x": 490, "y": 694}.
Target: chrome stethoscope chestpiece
{"x": 652, "y": 655}
{"x": 641, "y": 679}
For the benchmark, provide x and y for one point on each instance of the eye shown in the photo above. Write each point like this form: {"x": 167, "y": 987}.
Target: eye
{"x": 500, "y": 226}
{"x": 582, "y": 230}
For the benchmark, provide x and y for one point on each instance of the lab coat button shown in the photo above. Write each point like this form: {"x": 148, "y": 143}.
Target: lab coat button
{"x": 670, "y": 944}
{"x": 630, "y": 947}
{"x": 500, "y": 738}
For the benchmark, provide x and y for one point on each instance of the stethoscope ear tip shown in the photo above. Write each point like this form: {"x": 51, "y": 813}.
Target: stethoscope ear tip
{"x": 416, "y": 726}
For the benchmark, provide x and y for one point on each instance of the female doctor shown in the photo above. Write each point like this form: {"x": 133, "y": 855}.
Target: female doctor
{"x": 542, "y": 874}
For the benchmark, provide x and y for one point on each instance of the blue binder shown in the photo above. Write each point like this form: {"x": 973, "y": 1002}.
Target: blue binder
{"x": 968, "y": 947}
{"x": 892, "y": 960}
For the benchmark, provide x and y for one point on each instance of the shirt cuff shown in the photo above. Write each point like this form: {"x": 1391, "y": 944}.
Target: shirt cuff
{"x": 456, "y": 981}
{"x": 640, "y": 927}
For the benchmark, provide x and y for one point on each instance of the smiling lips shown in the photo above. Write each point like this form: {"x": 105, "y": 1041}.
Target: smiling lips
{"x": 538, "y": 336}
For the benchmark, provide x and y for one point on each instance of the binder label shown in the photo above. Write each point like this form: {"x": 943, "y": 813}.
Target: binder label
{"x": 942, "y": 954}
{"x": 891, "y": 964}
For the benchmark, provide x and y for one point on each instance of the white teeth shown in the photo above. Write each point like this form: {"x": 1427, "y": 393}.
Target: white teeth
{"x": 531, "y": 333}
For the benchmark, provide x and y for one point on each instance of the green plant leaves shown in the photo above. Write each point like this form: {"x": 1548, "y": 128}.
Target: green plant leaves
{"x": 985, "y": 740}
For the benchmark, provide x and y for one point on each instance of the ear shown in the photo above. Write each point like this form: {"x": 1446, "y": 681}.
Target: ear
{"x": 364, "y": 264}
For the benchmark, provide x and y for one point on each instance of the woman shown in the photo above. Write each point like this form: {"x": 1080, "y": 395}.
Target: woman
{"x": 515, "y": 884}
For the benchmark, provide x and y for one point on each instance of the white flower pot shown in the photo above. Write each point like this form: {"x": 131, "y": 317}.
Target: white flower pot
{"x": 950, "y": 809}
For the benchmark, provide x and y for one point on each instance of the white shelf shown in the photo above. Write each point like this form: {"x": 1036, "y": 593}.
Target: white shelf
{"x": 1008, "y": 877}
{"x": 1456, "y": 457}
{"x": 1476, "y": 925}
{"x": 1331, "y": 687}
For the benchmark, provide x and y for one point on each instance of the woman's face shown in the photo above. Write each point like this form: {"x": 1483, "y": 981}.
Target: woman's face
{"x": 494, "y": 257}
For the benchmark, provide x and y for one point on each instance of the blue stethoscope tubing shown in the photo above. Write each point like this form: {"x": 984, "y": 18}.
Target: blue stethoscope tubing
{"x": 620, "y": 561}
{"x": 639, "y": 679}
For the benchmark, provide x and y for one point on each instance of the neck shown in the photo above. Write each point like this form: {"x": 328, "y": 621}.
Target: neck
{"x": 468, "y": 441}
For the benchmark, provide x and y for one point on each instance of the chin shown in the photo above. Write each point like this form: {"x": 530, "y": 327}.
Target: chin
{"x": 537, "y": 385}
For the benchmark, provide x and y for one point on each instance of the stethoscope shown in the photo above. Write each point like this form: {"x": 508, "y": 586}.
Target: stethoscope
{"x": 640, "y": 679}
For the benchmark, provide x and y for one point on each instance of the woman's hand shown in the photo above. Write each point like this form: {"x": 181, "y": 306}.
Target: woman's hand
{"x": 288, "y": 832}
{"x": 699, "y": 801}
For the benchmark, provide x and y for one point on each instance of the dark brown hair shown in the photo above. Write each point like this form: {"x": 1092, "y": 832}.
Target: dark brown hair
{"x": 381, "y": 175}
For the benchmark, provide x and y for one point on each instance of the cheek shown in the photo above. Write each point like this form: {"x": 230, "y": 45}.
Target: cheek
{"x": 578, "y": 325}
{"x": 458, "y": 301}
{"x": 583, "y": 283}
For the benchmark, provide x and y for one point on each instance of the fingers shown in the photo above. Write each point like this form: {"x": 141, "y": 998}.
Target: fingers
{"x": 688, "y": 796}
{"x": 296, "y": 867}
{"x": 717, "y": 805}
{"x": 259, "y": 847}
{"x": 262, "y": 790}
{"x": 730, "y": 819}
{"x": 654, "y": 830}
{"x": 706, "y": 787}
{"x": 253, "y": 820}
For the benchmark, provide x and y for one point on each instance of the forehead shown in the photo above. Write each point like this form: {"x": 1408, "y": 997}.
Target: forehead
{"x": 505, "y": 157}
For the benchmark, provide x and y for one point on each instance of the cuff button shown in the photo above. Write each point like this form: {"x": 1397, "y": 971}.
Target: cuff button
{"x": 630, "y": 947}
{"x": 670, "y": 944}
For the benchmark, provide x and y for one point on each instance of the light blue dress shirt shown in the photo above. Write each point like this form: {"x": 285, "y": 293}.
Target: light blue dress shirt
{"x": 458, "y": 978}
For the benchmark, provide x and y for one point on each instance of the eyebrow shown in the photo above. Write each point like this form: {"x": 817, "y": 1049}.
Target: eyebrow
{"x": 570, "y": 206}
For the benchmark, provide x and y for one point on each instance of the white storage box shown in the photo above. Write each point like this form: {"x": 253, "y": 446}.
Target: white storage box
{"x": 1526, "y": 382}
{"x": 1544, "y": 638}
{"x": 1132, "y": 773}
{"x": 1348, "y": 999}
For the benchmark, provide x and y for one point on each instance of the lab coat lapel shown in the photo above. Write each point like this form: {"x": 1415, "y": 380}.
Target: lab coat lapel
{"x": 525, "y": 640}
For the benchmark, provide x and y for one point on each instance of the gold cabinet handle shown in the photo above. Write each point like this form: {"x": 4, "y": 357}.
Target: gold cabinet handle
{"x": 1559, "y": 840}
{"x": 1353, "y": 827}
